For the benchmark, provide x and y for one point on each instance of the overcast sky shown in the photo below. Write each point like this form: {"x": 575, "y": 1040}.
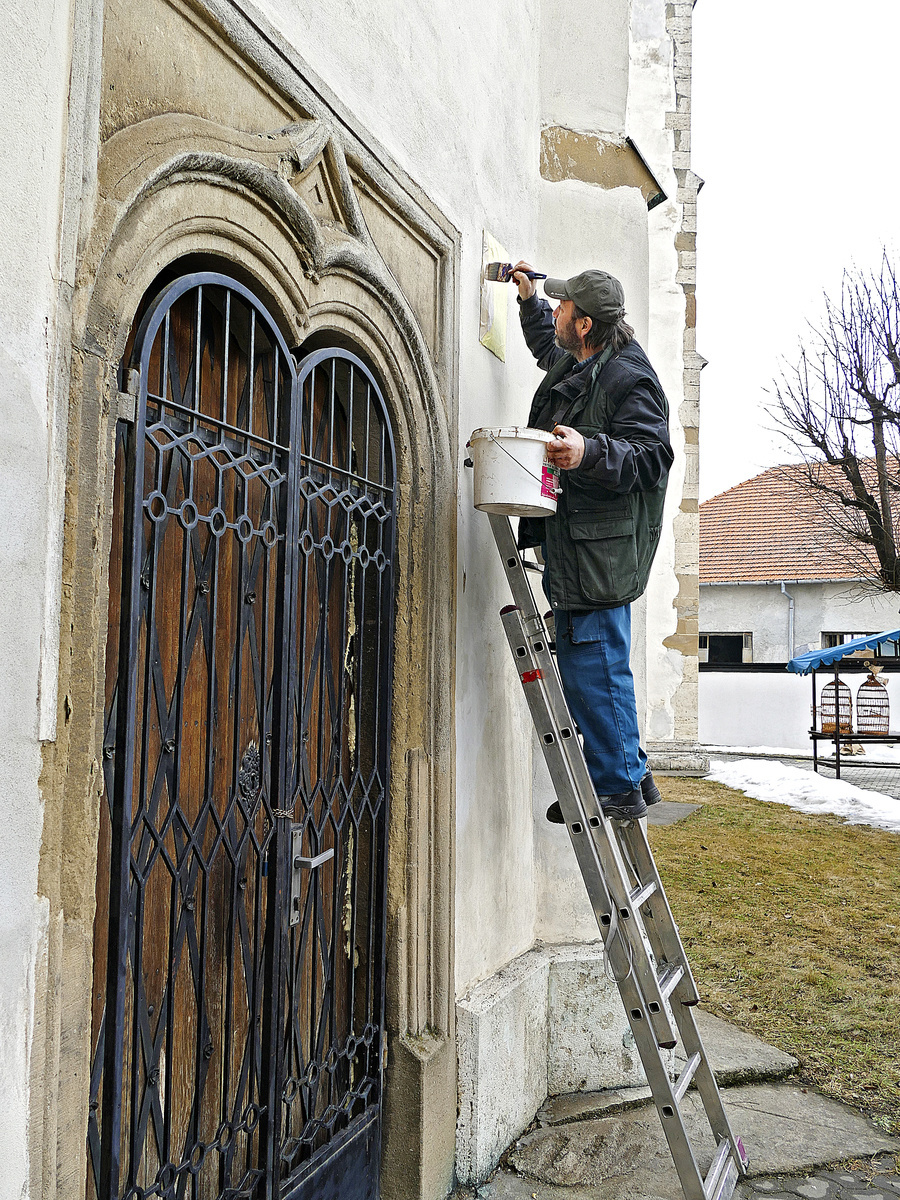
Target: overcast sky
{"x": 795, "y": 118}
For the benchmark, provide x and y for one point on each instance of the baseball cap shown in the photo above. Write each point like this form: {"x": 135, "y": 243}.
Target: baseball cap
{"x": 597, "y": 293}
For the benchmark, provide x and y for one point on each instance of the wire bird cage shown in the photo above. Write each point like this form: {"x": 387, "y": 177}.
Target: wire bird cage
{"x": 873, "y": 707}
{"x": 836, "y": 706}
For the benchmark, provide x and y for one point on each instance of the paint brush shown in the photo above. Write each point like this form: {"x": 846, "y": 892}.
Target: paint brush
{"x": 503, "y": 273}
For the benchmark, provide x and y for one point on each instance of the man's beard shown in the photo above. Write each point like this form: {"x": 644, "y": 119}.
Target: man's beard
{"x": 567, "y": 339}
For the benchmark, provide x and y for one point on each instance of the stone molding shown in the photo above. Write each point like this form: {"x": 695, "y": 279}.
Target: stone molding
{"x": 680, "y": 757}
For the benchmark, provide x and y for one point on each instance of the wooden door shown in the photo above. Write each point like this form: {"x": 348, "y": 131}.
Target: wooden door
{"x": 332, "y": 1043}
{"x": 238, "y": 711}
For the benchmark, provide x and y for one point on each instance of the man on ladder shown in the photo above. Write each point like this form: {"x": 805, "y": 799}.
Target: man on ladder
{"x": 603, "y": 401}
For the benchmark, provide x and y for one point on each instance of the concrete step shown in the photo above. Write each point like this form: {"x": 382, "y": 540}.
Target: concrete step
{"x": 736, "y": 1057}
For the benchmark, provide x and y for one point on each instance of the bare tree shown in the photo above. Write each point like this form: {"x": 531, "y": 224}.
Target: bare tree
{"x": 839, "y": 406}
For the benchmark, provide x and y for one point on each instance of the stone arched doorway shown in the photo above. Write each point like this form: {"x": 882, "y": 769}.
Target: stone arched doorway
{"x": 326, "y": 285}
{"x": 239, "y": 951}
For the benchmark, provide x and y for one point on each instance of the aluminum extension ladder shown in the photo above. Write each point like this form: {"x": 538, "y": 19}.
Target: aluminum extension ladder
{"x": 628, "y": 900}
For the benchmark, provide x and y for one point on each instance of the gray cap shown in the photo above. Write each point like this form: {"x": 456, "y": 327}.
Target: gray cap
{"x": 597, "y": 293}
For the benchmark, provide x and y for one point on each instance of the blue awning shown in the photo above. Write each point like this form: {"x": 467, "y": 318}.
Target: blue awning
{"x": 813, "y": 659}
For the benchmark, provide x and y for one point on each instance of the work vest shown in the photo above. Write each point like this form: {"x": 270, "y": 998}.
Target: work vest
{"x": 600, "y": 544}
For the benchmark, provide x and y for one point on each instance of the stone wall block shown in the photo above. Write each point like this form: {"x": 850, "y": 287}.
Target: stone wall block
{"x": 590, "y": 1047}
{"x": 502, "y": 1054}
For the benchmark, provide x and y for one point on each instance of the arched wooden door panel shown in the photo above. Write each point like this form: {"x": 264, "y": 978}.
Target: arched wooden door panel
{"x": 247, "y": 728}
{"x": 333, "y": 980}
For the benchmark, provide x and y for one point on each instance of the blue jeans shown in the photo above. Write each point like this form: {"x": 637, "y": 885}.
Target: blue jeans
{"x": 592, "y": 652}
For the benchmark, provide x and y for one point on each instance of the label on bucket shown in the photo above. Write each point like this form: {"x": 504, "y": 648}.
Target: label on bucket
{"x": 549, "y": 480}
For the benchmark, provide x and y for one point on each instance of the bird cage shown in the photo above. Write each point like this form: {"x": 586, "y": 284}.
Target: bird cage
{"x": 836, "y": 706}
{"x": 873, "y": 708}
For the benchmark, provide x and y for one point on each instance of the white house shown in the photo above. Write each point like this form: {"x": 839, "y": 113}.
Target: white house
{"x": 276, "y": 896}
{"x": 774, "y": 582}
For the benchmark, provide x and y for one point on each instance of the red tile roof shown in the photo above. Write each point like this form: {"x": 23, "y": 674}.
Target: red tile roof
{"x": 769, "y": 529}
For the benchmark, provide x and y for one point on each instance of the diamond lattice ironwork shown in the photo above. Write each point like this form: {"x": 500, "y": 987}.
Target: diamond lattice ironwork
{"x": 248, "y": 678}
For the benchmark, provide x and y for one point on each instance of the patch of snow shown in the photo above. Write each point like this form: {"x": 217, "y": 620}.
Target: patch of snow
{"x": 807, "y": 792}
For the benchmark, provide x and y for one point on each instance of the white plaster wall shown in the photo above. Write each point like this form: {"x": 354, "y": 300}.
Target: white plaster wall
{"x": 564, "y": 913}
{"x": 584, "y": 65}
{"x": 745, "y": 708}
{"x": 762, "y": 610}
{"x": 458, "y": 96}
{"x": 440, "y": 88}
{"x": 444, "y": 93}
{"x": 33, "y": 92}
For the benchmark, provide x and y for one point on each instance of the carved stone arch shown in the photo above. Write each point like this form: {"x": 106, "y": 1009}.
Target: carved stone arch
{"x": 231, "y": 198}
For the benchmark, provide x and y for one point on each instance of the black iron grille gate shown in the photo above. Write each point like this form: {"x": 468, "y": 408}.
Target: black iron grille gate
{"x": 239, "y": 941}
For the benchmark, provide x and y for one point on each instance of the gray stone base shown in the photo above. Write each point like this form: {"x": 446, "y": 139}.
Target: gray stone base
{"x": 549, "y": 1022}
{"x": 683, "y": 758}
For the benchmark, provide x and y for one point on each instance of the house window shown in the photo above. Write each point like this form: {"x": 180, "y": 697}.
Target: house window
{"x": 888, "y": 649}
{"x": 724, "y": 648}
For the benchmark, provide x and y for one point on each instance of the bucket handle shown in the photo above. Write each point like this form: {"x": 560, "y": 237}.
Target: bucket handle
{"x": 496, "y": 440}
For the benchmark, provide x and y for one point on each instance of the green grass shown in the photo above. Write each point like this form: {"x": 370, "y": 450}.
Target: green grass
{"x": 791, "y": 923}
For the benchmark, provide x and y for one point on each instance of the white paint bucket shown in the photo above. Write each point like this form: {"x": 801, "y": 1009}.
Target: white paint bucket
{"x": 512, "y": 474}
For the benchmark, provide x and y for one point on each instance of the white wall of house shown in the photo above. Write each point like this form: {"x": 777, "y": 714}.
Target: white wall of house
{"x": 747, "y": 708}
{"x": 764, "y": 611}
{"x": 744, "y": 708}
{"x": 33, "y": 107}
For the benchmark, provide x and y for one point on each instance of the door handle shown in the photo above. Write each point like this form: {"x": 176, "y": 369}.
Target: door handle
{"x": 299, "y": 864}
{"x": 308, "y": 863}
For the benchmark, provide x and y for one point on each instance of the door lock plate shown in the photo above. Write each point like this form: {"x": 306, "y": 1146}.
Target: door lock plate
{"x": 299, "y": 864}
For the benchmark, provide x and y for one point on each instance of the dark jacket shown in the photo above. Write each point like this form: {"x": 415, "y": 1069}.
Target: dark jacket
{"x": 601, "y": 542}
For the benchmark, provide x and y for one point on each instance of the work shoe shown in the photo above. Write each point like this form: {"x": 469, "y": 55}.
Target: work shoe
{"x": 626, "y": 806}
{"x": 649, "y": 790}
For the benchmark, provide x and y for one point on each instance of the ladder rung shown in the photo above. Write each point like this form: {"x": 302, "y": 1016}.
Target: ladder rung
{"x": 714, "y": 1178}
{"x": 669, "y": 979}
{"x": 641, "y": 895}
{"x": 684, "y": 1079}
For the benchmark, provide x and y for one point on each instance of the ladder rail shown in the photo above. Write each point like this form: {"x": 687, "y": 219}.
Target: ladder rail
{"x": 666, "y": 942}
{"x": 661, "y": 928}
{"x": 583, "y": 816}
{"x": 537, "y": 669}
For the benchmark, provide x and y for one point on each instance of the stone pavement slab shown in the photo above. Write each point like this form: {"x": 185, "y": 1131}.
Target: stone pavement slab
{"x": 587, "y": 1106}
{"x": 879, "y": 1181}
{"x": 785, "y": 1129}
{"x": 667, "y": 812}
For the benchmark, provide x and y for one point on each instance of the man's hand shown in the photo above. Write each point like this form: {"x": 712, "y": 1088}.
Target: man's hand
{"x": 568, "y": 449}
{"x": 526, "y": 285}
